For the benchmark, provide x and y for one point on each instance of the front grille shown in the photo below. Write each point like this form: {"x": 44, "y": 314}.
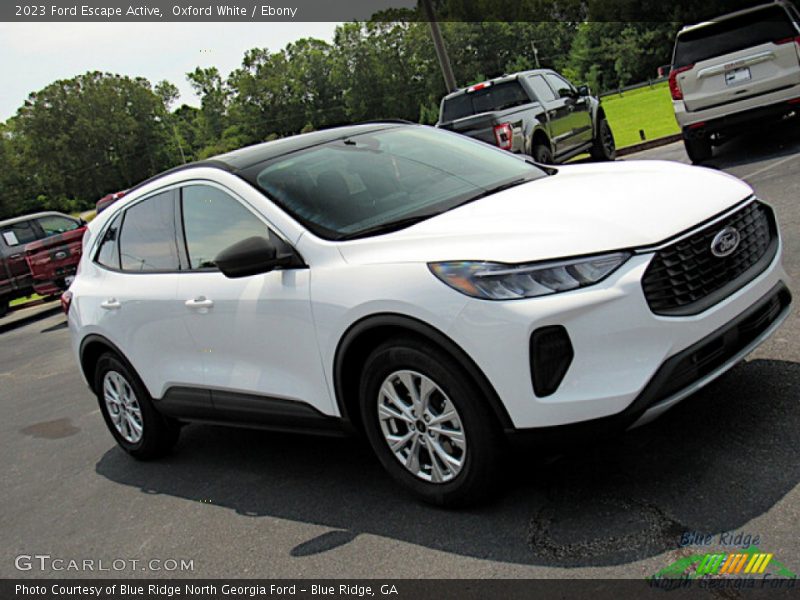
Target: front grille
{"x": 686, "y": 278}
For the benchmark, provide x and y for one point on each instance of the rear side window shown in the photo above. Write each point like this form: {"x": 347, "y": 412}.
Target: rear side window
{"x": 496, "y": 97}
{"x": 54, "y": 224}
{"x": 212, "y": 221}
{"x": 19, "y": 233}
{"x": 541, "y": 89}
{"x": 731, "y": 35}
{"x": 148, "y": 240}
{"x": 108, "y": 253}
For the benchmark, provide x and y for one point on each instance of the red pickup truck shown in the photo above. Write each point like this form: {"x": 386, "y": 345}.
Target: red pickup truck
{"x": 38, "y": 253}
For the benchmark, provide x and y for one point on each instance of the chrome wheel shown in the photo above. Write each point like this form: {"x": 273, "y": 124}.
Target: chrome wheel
{"x": 123, "y": 407}
{"x": 421, "y": 426}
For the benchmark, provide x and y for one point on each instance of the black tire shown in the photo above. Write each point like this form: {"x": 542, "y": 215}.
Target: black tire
{"x": 698, "y": 147}
{"x": 3, "y": 307}
{"x": 603, "y": 146}
{"x": 481, "y": 432}
{"x": 542, "y": 154}
{"x": 158, "y": 433}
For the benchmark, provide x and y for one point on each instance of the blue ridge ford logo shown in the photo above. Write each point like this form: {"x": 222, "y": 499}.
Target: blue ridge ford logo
{"x": 725, "y": 242}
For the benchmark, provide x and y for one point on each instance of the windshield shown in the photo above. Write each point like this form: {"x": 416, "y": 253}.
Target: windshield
{"x": 366, "y": 183}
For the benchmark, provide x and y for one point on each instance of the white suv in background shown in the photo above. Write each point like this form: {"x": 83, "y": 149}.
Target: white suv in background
{"x": 433, "y": 292}
{"x": 735, "y": 72}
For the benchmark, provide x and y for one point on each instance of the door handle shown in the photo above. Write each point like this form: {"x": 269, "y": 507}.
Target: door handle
{"x": 199, "y": 302}
{"x": 15, "y": 256}
{"x": 111, "y": 304}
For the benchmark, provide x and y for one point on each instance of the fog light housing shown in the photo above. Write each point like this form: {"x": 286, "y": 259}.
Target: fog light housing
{"x": 551, "y": 354}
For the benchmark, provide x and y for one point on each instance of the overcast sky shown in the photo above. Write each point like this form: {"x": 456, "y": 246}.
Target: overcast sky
{"x": 33, "y": 55}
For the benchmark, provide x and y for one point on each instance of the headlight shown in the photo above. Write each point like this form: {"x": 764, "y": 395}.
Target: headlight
{"x": 498, "y": 281}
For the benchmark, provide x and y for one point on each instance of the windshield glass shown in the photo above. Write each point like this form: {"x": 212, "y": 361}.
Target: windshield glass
{"x": 367, "y": 182}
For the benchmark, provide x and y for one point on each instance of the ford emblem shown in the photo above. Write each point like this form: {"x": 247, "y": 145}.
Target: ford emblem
{"x": 725, "y": 242}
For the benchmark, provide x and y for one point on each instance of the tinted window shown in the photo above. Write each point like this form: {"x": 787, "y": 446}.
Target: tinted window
{"x": 212, "y": 221}
{"x": 55, "y": 224}
{"x": 345, "y": 187}
{"x": 108, "y": 253}
{"x": 731, "y": 35}
{"x": 499, "y": 96}
{"x": 148, "y": 241}
{"x": 541, "y": 89}
{"x": 561, "y": 86}
{"x": 19, "y": 233}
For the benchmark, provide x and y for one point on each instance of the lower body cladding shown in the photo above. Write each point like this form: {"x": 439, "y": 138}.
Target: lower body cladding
{"x": 609, "y": 362}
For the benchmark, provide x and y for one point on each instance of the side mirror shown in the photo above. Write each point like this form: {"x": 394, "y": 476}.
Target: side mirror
{"x": 251, "y": 256}
{"x": 583, "y": 91}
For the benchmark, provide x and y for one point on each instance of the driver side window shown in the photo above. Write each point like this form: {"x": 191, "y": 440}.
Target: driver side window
{"x": 214, "y": 220}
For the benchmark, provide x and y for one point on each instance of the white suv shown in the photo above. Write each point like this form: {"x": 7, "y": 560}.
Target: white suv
{"x": 735, "y": 72}
{"x": 436, "y": 293}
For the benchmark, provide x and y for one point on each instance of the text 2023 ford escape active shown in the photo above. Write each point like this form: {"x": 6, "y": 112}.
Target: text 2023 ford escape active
{"x": 435, "y": 292}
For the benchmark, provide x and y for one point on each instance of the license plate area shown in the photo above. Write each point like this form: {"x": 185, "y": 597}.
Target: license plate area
{"x": 734, "y": 76}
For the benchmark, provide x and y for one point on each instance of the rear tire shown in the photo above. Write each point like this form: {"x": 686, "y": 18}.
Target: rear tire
{"x": 129, "y": 413}
{"x": 3, "y": 307}
{"x": 698, "y": 147}
{"x": 604, "y": 148}
{"x": 542, "y": 154}
{"x": 411, "y": 390}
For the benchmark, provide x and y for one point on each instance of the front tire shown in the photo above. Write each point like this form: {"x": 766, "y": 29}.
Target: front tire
{"x": 129, "y": 413}
{"x": 428, "y": 424}
{"x": 604, "y": 148}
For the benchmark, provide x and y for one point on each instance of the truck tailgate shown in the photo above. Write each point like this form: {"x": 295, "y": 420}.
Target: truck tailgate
{"x": 54, "y": 257}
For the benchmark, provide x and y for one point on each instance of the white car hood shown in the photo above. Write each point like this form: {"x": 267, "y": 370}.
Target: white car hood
{"x": 583, "y": 209}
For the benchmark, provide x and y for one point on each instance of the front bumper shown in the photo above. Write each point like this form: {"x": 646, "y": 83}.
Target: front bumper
{"x": 620, "y": 347}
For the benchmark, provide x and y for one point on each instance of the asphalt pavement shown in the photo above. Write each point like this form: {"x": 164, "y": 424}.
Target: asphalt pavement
{"x": 234, "y": 503}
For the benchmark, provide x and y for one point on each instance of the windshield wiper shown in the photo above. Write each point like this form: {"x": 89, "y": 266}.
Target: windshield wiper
{"x": 387, "y": 227}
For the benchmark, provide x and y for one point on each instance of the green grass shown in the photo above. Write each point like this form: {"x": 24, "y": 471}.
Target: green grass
{"x": 30, "y": 298}
{"x": 648, "y": 108}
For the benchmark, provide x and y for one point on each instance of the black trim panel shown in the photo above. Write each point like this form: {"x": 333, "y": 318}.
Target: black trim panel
{"x": 246, "y": 410}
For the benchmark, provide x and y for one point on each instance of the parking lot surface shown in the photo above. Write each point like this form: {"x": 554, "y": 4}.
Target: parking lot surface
{"x": 239, "y": 503}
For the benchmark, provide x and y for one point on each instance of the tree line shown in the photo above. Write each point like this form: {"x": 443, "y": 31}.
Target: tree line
{"x": 81, "y": 138}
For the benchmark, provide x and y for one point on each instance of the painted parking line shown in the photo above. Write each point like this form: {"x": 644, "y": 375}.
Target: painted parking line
{"x": 769, "y": 167}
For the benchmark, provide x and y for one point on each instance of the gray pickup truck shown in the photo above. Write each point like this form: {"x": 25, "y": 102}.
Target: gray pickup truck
{"x": 538, "y": 113}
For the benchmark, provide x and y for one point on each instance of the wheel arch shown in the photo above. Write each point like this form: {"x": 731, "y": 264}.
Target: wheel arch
{"x": 92, "y": 347}
{"x": 365, "y": 334}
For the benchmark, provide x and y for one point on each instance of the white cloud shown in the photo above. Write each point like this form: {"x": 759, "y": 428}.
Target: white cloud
{"x": 36, "y": 54}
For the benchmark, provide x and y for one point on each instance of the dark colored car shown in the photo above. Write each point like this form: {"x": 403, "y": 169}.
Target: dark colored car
{"x": 38, "y": 253}
{"x": 538, "y": 113}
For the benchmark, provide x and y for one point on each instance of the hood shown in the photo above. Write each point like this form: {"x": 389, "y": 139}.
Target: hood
{"x": 583, "y": 209}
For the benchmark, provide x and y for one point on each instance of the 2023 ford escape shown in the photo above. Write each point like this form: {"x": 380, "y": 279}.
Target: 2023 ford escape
{"x": 433, "y": 291}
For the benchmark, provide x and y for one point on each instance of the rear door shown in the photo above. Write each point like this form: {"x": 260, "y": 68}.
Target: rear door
{"x": 134, "y": 299}
{"x": 736, "y": 58}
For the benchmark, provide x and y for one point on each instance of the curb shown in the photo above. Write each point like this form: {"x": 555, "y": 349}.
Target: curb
{"x": 649, "y": 144}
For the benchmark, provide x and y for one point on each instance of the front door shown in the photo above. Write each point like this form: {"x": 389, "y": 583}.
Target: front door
{"x": 255, "y": 335}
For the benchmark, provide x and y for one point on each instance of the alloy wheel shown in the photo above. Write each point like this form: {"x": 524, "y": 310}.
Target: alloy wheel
{"x": 123, "y": 407}
{"x": 421, "y": 426}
